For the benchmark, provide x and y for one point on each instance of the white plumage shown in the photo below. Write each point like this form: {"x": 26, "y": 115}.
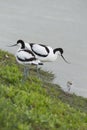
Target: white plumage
{"x": 42, "y": 52}
{"x": 32, "y": 53}
{"x": 45, "y": 53}
{"x": 39, "y": 49}
{"x": 25, "y": 57}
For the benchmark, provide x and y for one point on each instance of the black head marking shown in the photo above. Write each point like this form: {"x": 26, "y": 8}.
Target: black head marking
{"x": 61, "y": 53}
{"x": 22, "y": 43}
{"x": 58, "y": 49}
{"x": 19, "y": 42}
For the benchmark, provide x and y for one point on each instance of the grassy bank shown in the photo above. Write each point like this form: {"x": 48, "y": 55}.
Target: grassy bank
{"x": 36, "y": 104}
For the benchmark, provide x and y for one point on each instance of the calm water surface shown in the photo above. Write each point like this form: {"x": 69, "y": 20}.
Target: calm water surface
{"x": 56, "y": 23}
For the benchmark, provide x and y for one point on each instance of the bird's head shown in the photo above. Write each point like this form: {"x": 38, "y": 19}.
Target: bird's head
{"x": 60, "y": 52}
{"x": 20, "y": 43}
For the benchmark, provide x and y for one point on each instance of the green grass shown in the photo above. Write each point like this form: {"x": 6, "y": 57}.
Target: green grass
{"x": 36, "y": 104}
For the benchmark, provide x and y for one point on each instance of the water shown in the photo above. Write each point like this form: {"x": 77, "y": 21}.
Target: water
{"x": 56, "y": 23}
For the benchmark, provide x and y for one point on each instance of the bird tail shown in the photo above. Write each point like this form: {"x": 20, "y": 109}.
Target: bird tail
{"x": 40, "y": 63}
{"x": 37, "y": 62}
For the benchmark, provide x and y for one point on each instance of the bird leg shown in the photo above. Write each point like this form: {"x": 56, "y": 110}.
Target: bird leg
{"x": 38, "y": 71}
{"x": 40, "y": 76}
{"x": 26, "y": 72}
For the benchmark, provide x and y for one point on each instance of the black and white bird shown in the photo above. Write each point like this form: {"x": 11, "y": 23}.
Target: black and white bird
{"x": 42, "y": 52}
{"x": 25, "y": 56}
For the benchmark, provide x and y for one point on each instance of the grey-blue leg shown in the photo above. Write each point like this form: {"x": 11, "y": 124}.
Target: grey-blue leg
{"x": 38, "y": 71}
{"x": 26, "y": 72}
{"x": 40, "y": 76}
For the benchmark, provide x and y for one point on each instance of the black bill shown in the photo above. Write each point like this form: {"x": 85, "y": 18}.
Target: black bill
{"x": 65, "y": 59}
{"x": 13, "y": 45}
